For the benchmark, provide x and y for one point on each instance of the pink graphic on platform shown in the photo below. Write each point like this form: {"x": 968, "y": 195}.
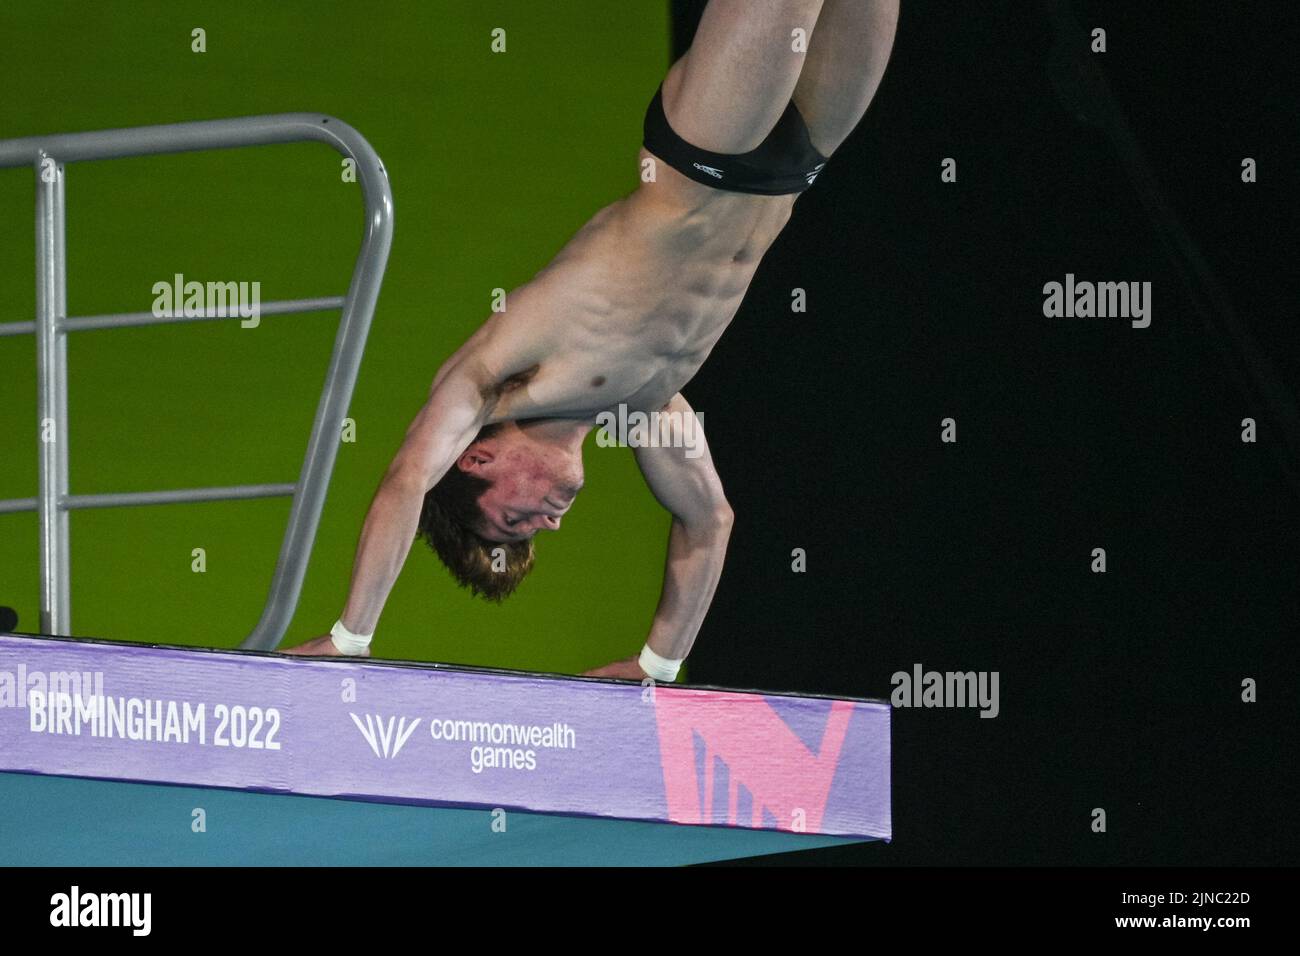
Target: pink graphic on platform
{"x": 759, "y": 752}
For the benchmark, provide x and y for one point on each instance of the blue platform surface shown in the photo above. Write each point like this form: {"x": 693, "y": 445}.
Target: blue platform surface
{"x": 68, "y": 821}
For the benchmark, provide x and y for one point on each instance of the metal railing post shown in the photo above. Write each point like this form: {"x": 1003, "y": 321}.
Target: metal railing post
{"x": 326, "y": 431}
{"x": 52, "y": 395}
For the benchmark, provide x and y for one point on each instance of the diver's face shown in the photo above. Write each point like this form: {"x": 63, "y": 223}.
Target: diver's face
{"x": 533, "y": 485}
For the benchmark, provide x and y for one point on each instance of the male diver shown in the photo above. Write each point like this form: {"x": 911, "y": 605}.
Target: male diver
{"x": 625, "y": 315}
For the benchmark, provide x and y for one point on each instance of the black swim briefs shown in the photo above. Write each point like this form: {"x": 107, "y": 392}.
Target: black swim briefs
{"x": 785, "y": 162}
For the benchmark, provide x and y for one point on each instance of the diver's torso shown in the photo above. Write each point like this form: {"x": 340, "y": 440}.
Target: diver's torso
{"x": 635, "y": 302}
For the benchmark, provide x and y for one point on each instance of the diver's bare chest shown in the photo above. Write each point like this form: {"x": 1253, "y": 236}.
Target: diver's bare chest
{"x": 582, "y": 390}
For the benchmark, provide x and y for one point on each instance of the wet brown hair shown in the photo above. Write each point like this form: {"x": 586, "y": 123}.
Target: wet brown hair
{"x": 448, "y": 523}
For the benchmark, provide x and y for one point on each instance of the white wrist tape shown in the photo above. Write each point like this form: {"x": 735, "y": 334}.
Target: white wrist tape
{"x": 660, "y": 668}
{"x": 353, "y": 645}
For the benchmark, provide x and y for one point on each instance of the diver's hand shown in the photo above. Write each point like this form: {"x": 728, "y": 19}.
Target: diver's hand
{"x": 628, "y": 668}
{"x": 322, "y": 646}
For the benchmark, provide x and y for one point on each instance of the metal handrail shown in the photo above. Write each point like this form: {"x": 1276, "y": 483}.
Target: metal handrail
{"x": 47, "y": 155}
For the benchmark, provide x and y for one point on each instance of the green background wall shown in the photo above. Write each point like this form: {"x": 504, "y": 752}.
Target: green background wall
{"x": 494, "y": 159}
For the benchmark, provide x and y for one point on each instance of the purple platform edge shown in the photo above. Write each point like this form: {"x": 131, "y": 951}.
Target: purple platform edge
{"x": 435, "y": 735}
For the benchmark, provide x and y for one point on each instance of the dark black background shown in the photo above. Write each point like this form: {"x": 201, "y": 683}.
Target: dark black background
{"x": 1118, "y": 690}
